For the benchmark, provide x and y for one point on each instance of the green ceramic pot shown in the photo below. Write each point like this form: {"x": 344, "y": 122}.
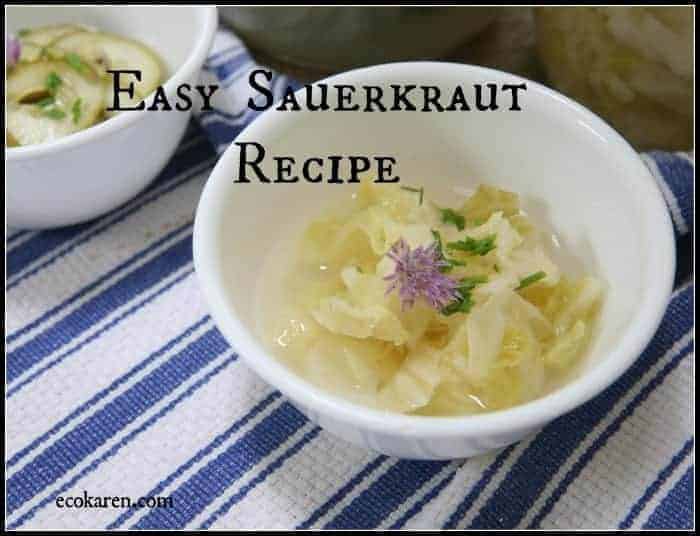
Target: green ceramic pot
{"x": 332, "y": 39}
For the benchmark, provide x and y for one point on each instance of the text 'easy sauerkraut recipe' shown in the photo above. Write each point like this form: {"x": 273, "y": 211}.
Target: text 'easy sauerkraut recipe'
{"x": 399, "y": 304}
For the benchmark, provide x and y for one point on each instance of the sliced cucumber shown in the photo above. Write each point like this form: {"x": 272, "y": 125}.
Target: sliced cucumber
{"x": 79, "y": 57}
{"x": 30, "y": 120}
{"x": 36, "y": 43}
{"x": 46, "y": 35}
{"x": 30, "y": 52}
{"x": 26, "y": 125}
{"x": 104, "y": 51}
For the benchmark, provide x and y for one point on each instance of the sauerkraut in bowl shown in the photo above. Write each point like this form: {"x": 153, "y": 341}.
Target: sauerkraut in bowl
{"x": 398, "y": 303}
{"x": 574, "y": 177}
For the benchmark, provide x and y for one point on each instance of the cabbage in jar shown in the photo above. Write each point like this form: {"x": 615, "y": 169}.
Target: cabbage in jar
{"x": 400, "y": 304}
{"x": 631, "y": 65}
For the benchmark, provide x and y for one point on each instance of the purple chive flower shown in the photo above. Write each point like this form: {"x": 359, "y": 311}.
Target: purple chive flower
{"x": 12, "y": 50}
{"x": 417, "y": 274}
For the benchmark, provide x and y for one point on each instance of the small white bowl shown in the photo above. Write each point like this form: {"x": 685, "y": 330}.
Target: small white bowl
{"x": 92, "y": 171}
{"x": 573, "y": 171}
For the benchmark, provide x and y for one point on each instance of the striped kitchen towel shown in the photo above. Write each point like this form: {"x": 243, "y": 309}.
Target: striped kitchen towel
{"x": 126, "y": 407}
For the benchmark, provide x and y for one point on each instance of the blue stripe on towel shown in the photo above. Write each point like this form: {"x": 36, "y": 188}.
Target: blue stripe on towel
{"x": 478, "y": 488}
{"x": 386, "y": 494}
{"x": 653, "y": 488}
{"x": 343, "y": 491}
{"x": 213, "y": 479}
{"x": 97, "y": 282}
{"x": 201, "y": 454}
{"x": 240, "y": 495}
{"x": 677, "y": 174}
{"x": 97, "y": 308}
{"x": 222, "y": 54}
{"x": 416, "y": 508}
{"x": 104, "y": 392}
{"x": 220, "y": 129}
{"x": 676, "y": 509}
{"x": 676, "y": 171}
{"x": 225, "y": 70}
{"x": 148, "y": 299}
{"x": 609, "y": 431}
{"x": 14, "y": 236}
{"x": 89, "y": 435}
{"x": 116, "y": 448}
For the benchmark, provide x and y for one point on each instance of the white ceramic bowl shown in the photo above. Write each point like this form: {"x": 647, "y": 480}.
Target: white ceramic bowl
{"x": 92, "y": 171}
{"x": 574, "y": 173}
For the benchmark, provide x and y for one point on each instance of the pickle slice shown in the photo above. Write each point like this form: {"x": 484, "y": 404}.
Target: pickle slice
{"x": 37, "y": 43}
{"x": 104, "y": 51}
{"x": 30, "y": 52}
{"x": 47, "y": 35}
{"x": 38, "y": 111}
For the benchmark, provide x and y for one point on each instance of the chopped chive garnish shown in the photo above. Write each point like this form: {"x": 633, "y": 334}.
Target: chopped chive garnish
{"x": 46, "y": 101}
{"x": 419, "y": 191}
{"x": 465, "y": 302}
{"x": 462, "y": 305}
{"x": 497, "y": 268}
{"x": 529, "y": 280}
{"x": 450, "y": 216}
{"x": 474, "y": 246}
{"x": 470, "y": 282}
{"x": 77, "y": 110}
{"x": 438, "y": 239}
{"x": 455, "y": 262}
{"x": 441, "y": 253}
{"x": 75, "y": 61}
{"x": 23, "y": 32}
{"x": 54, "y": 113}
{"x": 53, "y": 81}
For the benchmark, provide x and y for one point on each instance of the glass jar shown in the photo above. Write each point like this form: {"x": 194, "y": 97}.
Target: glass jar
{"x": 631, "y": 65}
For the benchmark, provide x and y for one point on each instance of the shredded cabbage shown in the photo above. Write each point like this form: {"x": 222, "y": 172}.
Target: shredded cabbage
{"x": 632, "y": 65}
{"x": 522, "y": 328}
